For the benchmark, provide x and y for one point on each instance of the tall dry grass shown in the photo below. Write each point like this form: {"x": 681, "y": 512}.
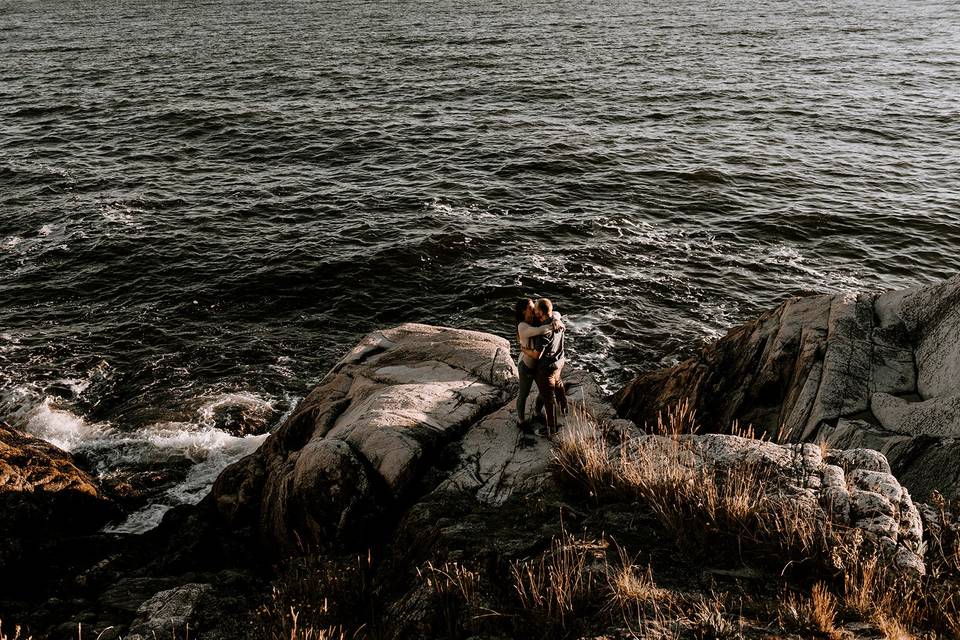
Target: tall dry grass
{"x": 815, "y": 614}
{"x": 317, "y": 598}
{"x": 457, "y": 604}
{"x": 696, "y": 502}
{"x": 741, "y": 508}
{"x": 16, "y": 633}
{"x": 563, "y": 582}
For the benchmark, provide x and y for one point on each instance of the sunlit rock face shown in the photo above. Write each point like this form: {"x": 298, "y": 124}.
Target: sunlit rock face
{"x": 43, "y": 492}
{"x": 410, "y": 412}
{"x": 870, "y": 370}
{"x": 356, "y": 447}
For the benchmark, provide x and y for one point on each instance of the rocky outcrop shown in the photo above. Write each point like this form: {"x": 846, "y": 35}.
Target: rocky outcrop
{"x": 843, "y": 489}
{"x": 855, "y": 370}
{"x": 43, "y": 492}
{"x": 355, "y": 449}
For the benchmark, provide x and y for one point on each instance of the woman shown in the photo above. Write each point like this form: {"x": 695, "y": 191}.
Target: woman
{"x": 526, "y": 366}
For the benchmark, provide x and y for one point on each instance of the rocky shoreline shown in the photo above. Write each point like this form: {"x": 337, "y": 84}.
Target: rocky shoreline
{"x": 878, "y": 371}
{"x": 403, "y": 470}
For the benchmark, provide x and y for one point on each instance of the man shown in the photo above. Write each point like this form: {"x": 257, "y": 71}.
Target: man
{"x": 550, "y": 363}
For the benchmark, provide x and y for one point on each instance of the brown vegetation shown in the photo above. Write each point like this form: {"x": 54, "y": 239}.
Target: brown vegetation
{"x": 16, "y": 633}
{"x": 588, "y": 584}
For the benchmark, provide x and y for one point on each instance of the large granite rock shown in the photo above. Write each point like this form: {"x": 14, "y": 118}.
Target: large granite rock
{"x": 856, "y": 370}
{"x": 842, "y": 489}
{"x": 43, "y": 492}
{"x": 355, "y": 449}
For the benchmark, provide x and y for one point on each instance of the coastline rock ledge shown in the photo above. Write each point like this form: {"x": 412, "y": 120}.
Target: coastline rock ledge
{"x": 374, "y": 435}
{"x": 869, "y": 370}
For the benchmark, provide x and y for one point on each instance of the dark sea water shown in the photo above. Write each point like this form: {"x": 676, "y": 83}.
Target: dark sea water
{"x": 204, "y": 204}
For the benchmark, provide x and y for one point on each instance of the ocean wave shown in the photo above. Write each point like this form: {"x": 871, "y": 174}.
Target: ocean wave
{"x": 210, "y": 451}
{"x": 63, "y": 428}
{"x": 108, "y": 450}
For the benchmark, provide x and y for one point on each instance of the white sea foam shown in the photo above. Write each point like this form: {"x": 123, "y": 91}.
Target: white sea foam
{"x": 76, "y": 385}
{"x": 208, "y": 449}
{"x": 211, "y": 451}
{"x": 45, "y": 230}
{"x": 11, "y": 243}
{"x": 471, "y": 212}
{"x": 62, "y": 427}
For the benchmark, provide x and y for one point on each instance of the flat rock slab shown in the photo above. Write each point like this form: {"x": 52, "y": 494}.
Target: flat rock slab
{"x": 497, "y": 461}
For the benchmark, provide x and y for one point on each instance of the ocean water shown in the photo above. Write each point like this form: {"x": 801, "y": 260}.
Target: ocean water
{"x": 204, "y": 204}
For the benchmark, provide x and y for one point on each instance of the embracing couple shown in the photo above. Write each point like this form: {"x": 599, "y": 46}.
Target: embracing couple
{"x": 540, "y": 332}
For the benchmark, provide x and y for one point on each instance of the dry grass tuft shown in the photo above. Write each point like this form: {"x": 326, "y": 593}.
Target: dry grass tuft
{"x": 710, "y": 621}
{"x": 823, "y": 610}
{"x": 457, "y": 591}
{"x": 676, "y": 420}
{"x": 316, "y": 598}
{"x": 893, "y": 630}
{"x": 581, "y": 454}
{"x": 563, "y": 581}
{"x": 862, "y": 583}
{"x": 16, "y": 633}
{"x": 635, "y": 596}
{"x": 816, "y": 614}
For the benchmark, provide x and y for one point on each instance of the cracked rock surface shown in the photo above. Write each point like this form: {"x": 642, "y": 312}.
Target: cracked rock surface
{"x": 868, "y": 370}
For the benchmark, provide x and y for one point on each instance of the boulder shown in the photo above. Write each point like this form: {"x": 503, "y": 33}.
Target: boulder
{"x": 355, "y": 448}
{"x": 878, "y": 370}
{"x": 44, "y": 493}
{"x": 169, "y": 613}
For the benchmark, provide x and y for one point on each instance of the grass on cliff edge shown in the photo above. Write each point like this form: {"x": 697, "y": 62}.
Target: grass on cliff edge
{"x": 587, "y": 585}
{"x": 736, "y": 508}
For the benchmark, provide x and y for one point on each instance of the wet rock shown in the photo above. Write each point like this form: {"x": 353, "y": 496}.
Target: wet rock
{"x": 43, "y": 492}
{"x": 239, "y": 414}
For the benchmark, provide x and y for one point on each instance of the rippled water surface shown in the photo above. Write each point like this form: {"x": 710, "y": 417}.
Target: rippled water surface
{"x": 202, "y": 205}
